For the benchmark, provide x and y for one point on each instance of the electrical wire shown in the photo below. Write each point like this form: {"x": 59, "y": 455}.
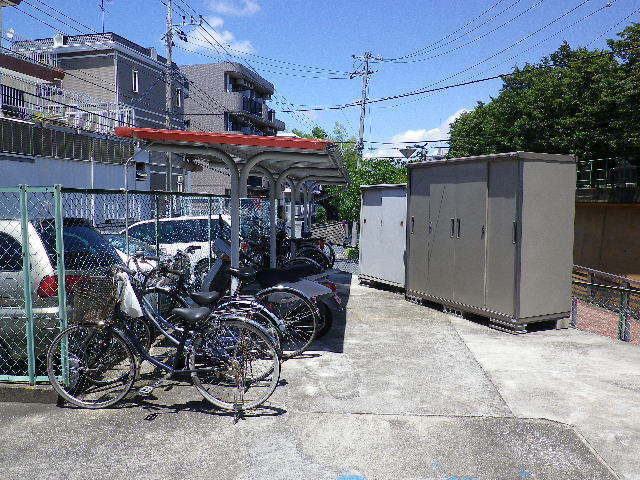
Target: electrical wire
{"x": 96, "y": 41}
{"x": 286, "y": 62}
{"x": 476, "y": 38}
{"x": 532, "y": 47}
{"x": 452, "y": 33}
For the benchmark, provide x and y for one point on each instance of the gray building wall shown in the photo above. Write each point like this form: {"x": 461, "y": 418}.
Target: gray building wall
{"x": 212, "y": 80}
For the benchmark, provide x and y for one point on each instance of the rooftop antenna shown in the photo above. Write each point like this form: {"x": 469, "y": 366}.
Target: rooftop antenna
{"x": 103, "y": 10}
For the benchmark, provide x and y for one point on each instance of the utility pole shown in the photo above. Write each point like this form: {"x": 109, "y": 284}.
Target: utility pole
{"x": 365, "y": 92}
{"x": 169, "y": 91}
{"x": 169, "y": 114}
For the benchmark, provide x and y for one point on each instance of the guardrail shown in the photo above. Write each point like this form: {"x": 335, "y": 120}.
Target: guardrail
{"x": 606, "y": 304}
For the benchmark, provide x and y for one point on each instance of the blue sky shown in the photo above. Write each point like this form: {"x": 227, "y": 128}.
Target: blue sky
{"x": 326, "y": 33}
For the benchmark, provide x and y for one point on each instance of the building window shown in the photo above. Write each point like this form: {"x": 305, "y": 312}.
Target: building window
{"x": 134, "y": 78}
{"x": 179, "y": 97}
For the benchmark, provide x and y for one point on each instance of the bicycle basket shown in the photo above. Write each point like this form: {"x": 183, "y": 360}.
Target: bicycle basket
{"x": 93, "y": 300}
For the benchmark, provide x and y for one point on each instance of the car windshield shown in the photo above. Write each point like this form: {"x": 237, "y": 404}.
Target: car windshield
{"x": 135, "y": 245}
{"x": 84, "y": 248}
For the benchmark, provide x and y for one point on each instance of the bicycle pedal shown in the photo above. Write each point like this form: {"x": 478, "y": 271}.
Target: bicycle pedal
{"x": 146, "y": 391}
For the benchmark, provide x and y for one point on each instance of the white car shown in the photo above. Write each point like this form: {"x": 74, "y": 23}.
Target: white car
{"x": 119, "y": 242}
{"x": 178, "y": 233}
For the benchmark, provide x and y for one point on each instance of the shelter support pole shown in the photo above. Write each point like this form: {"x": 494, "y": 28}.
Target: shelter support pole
{"x": 295, "y": 186}
{"x": 272, "y": 215}
{"x": 235, "y": 193}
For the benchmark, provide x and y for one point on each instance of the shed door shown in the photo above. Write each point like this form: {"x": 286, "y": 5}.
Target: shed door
{"x": 501, "y": 247}
{"x": 471, "y": 213}
{"x": 418, "y": 218}
{"x": 442, "y": 210}
{"x": 370, "y": 233}
{"x": 394, "y": 208}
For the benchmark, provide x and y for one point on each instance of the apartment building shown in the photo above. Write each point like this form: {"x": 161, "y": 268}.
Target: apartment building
{"x": 227, "y": 97}
{"x": 128, "y": 77}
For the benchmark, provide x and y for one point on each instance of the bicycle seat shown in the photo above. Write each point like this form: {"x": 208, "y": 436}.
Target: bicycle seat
{"x": 191, "y": 316}
{"x": 204, "y": 299}
{"x": 242, "y": 275}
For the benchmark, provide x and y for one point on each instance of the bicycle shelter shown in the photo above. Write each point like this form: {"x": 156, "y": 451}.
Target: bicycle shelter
{"x": 280, "y": 159}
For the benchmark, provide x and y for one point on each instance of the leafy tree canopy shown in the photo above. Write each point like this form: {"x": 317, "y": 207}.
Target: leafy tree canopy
{"x": 577, "y": 101}
{"x": 344, "y": 202}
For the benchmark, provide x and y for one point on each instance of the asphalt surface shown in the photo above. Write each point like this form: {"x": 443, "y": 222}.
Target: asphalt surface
{"x": 396, "y": 391}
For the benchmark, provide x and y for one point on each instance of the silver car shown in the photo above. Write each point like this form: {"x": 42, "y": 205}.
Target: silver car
{"x": 87, "y": 253}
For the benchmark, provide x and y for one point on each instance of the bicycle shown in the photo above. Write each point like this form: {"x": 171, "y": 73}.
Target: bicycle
{"x": 232, "y": 362}
{"x": 287, "y": 314}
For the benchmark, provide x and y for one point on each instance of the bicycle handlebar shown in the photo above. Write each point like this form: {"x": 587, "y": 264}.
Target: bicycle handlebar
{"x": 124, "y": 269}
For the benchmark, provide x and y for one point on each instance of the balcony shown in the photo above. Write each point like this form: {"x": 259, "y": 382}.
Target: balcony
{"x": 22, "y": 49}
{"x": 48, "y": 103}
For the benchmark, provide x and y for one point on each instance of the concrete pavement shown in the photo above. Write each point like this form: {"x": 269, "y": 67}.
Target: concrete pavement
{"x": 397, "y": 391}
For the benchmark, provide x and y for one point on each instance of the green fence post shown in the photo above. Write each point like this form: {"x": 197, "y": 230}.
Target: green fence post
{"x": 126, "y": 224}
{"x": 157, "y": 224}
{"x": 624, "y": 324}
{"x": 26, "y": 284}
{"x": 209, "y": 229}
{"x": 62, "y": 284}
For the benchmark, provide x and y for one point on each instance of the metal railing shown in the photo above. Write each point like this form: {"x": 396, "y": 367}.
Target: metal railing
{"x": 40, "y": 101}
{"x": 606, "y": 304}
{"x": 33, "y": 55}
{"x": 53, "y": 233}
{"x": 607, "y": 173}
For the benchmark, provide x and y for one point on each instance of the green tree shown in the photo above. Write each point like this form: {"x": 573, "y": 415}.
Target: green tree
{"x": 344, "y": 202}
{"x": 573, "y": 101}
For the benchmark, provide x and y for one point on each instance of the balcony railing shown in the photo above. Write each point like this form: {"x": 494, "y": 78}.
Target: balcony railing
{"x": 48, "y": 103}
{"x": 19, "y": 49}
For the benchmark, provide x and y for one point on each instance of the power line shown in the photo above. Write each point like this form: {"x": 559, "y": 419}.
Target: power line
{"x": 446, "y": 87}
{"x": 263, "y": 69}
{"x": 227, "y": 53}
{"x": 255, "y": 74}
{"x": 518, "y": 42}
{"x": 392, "y": 97}
{"x": 535, "y": 45}
{"x": 475, "y": 39}
{"x": 454, "y": 32}
{"x": 290, "y": 65}
{"x": 96, "y": 41}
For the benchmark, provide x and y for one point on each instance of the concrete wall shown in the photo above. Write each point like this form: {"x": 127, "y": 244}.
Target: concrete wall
{"x": 68, "y": 173}
{"x": 607, "y": 237}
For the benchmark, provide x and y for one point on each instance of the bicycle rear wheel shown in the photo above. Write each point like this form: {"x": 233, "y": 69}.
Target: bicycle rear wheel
{"x": 235, "y": 365}
{"x": 299, "y": 315}
{"x": 91, "y": 366}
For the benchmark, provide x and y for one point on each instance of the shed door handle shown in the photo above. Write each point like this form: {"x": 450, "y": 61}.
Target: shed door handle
{"x": 515, "y": 232}
{"x": 412, "y": 224}
{"x": 453, "y": 227}
{"x": 458, "y": 227}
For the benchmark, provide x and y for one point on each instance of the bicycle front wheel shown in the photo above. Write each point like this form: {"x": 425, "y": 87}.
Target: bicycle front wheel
{"x": 299, "y": 315}
{"x": 91, "y": 366}
{"x": 235, "y": 365}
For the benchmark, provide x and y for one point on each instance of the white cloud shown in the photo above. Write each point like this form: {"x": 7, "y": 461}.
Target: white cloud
{"x": 439, "y": 133}
{"x": 235, "y": 7}
{"x": 199, "y": 41}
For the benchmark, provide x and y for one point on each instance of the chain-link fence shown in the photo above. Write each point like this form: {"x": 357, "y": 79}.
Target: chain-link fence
{"x": 606, "y": 304}
{"x": 52, "y": 233}
{"x": 338, "y": 234}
